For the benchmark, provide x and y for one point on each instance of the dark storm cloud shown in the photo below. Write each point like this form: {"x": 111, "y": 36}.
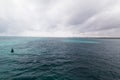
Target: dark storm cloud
{"x": 60, "y": 17}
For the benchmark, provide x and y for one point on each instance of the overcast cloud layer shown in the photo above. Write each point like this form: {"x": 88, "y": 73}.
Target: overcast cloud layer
{"x": 60, "y": 18}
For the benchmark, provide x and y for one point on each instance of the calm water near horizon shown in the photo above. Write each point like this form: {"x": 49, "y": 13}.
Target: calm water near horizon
{"x": 59, "y": 58}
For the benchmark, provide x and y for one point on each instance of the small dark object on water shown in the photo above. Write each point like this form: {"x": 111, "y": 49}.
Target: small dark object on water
{"x": 12, "y": 50}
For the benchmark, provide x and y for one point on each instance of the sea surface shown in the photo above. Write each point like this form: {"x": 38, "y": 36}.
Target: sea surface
{"x": 59, "y": 58}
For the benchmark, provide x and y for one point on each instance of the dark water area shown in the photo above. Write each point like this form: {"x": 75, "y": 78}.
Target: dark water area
{"x": 59, "y": 59}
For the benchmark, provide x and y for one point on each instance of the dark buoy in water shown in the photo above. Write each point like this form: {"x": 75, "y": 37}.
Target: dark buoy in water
{"x": 12, "y": 50}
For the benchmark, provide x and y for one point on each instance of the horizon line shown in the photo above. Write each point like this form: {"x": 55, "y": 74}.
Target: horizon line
{"x": 105, "y": 37}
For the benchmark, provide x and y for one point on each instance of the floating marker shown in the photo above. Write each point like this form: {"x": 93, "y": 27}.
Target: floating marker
{"x": 12, "y": 50}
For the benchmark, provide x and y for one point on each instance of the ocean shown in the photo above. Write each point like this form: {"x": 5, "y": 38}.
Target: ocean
{"x": 37, "y": 58}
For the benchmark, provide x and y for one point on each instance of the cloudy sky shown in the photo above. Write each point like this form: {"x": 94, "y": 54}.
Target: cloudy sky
{"x": 60, "y": 18}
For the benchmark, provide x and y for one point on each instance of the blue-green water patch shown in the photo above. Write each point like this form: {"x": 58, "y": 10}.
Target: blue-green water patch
{"x": 59, "y": 59}
{"x": 18, "y": 43}
{"x": 80, "y": 41}
{"x": 15, "y": 41}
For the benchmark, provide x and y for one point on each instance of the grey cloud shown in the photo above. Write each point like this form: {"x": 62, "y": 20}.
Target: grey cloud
{"x": 3, "y": 26}
{"x": 60, "y": 17}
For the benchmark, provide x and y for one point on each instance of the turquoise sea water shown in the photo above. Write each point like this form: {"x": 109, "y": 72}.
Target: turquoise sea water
{"x": 59, "y": 59}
